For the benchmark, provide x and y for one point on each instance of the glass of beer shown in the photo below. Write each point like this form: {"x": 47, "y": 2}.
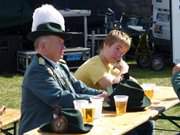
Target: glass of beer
{"x": 98, "y": 104}
{"x": 88, "y": 113}
{"x": 120, "y": 103}
{"x": 80, "y": 104}
{"x": 149, "y": 89}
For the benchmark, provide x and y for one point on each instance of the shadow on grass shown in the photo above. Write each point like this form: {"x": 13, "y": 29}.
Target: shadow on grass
{"x": 10, "y": 75}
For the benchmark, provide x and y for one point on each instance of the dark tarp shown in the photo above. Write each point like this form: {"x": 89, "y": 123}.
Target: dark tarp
{"x": 17, "y": 12}
{"x": 14, "y": 12}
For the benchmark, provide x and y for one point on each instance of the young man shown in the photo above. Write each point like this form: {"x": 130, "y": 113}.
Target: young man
{"x": 108, "y": 68}
{"x": 47, "y": 81}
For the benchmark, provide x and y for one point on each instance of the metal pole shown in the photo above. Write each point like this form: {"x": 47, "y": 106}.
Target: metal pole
{"x": 93, "y": 42}
{"x": 106, "y": 24}
{"x": 85, "y": 31}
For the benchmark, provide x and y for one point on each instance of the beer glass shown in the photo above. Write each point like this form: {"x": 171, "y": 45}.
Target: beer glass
{"x": 149, "y": 89}
{"x": 79, "y": 105}
{"x": 120, "y": 103}
{"x": 88, "y": 113}
{"x": 98, "y": 103}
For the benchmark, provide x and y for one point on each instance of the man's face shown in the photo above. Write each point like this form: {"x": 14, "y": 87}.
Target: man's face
{"x": 54, "y": 48}
{"x": 115, "y": 52}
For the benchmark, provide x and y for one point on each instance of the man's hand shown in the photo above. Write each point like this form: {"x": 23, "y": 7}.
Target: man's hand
{"x": 176, "y": 69}
{"x": 104, "y": 94}
{"x": 122, "y": 66}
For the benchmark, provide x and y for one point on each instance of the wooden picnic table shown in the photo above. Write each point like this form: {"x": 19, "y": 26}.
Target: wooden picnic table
{"x": 8, "y": 120}
{"x": 110, "y": 124}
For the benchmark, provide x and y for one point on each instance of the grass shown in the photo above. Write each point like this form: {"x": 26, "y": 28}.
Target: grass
{"x": 10, "y": 92}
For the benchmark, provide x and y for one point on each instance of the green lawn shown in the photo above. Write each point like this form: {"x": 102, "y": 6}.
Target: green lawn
{"x": 10, "y": 92}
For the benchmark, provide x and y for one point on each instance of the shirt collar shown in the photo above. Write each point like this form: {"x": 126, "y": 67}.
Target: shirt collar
{"x": 54, "y": 64}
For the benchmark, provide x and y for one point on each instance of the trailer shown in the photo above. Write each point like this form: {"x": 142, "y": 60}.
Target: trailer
{"x": 161, "y": 23}
{"x": 175, "y": 34}
{"x": 166, "y": 20}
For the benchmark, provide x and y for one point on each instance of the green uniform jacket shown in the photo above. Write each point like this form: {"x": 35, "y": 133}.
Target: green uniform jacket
{"x": 176, "y": 83}
{"x": 46, "y": 86}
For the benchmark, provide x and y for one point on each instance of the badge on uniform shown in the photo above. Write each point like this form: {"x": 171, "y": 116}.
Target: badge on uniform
{"x": 50, "y": 71}
{"x": 41, "y": 61}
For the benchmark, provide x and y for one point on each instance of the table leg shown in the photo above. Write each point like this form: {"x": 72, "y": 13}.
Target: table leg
{"x": 170, "y": 118}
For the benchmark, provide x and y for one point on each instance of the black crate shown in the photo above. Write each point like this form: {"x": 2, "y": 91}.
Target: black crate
{"x": 24, "y": 59}
{"x": 8, "y": 48}
{"x": 76, "y": 56}
{"x": 73, "y": 56}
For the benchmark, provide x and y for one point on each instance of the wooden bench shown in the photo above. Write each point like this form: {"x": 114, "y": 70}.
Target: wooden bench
{"x": 8, "y": 121}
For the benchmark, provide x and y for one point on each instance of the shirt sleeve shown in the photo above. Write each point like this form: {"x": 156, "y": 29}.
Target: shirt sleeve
{"x": 81, "y": 88}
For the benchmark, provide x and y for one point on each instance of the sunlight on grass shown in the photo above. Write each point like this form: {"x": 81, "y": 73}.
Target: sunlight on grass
{"x": 10, "y": 90}
{"x": 146, "y": 75}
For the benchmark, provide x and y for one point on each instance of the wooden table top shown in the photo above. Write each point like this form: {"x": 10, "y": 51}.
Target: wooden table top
{"x": 9, "y": 116}
{"x": 110, "y": 124}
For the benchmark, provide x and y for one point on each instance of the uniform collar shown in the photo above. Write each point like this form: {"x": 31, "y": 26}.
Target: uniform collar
{"x": 52, "y": 63}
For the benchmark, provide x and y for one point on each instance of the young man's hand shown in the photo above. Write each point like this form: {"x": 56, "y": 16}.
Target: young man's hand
{"x": 122, "y": 66}
{"x": 104, "y": 94}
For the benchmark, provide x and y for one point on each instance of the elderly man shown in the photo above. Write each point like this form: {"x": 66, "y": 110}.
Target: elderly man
{"x": 47, "y": 81}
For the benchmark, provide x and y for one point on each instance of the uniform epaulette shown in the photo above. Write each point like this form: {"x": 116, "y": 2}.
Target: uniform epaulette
{"x": 41, "y": 61}
{"x": 62, "y": 61}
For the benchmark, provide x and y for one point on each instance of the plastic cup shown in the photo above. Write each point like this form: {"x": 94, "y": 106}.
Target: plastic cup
{"x": 120, "y": 103}
{"x": 149, "y": 89}
{"x": 88, "y": 113}
{"x": 79, "y": 104}
{"x": 87, "y": 110}
{"x": 98, "y": 104}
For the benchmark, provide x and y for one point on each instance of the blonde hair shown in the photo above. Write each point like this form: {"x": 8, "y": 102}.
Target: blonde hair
{"x": 117, "y": 36}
